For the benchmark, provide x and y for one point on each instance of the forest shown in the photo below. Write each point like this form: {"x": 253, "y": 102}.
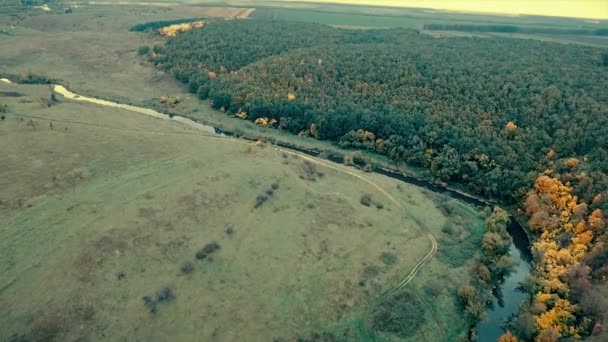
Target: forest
{"x": 482, "y": 112}
{"x": 518, "y": 121}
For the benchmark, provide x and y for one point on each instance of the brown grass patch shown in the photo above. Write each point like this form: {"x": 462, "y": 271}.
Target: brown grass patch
{"x": 93, "y": 253}
{"x": 336, "y": 210}
{"x": 156, "y": 217}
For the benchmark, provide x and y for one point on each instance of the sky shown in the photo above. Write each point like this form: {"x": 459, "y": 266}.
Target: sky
{"x": 590, "y": 9}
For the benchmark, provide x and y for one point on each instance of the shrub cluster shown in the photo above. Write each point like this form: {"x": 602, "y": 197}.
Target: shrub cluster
{"x": 164, "y": 295}
{"x": 269, "y": 192}
{"x": 367, "y": 200}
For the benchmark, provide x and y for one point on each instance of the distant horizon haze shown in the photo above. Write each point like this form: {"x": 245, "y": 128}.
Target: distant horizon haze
{"x": 584, "y": 9}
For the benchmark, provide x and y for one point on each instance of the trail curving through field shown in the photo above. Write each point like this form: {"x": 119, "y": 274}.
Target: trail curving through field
{"x": 210, "y": 132}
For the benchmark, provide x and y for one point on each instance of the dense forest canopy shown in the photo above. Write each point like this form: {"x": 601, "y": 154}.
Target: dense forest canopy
{"x": 483, "y": 112}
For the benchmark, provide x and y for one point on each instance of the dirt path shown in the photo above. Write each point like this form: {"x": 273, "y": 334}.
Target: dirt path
{"x": 210, "y": 131}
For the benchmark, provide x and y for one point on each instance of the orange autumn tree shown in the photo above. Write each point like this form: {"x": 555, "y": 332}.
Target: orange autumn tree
{"x": 556, "y": 215}
{"x": 507, "y": 337}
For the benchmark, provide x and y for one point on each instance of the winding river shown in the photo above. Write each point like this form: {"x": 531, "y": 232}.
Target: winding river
{"x": 509, "y": 296}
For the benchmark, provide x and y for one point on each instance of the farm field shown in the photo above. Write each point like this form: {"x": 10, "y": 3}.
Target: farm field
{"x": 123, "y": 213}
{"x": 370, "y": 17}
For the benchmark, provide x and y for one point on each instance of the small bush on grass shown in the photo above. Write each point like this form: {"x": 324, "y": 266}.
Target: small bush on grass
{"x": 366, "y": 200}
{"x": 164, "y": 295}
{"x": 260, "y": 200}
{"x": 207, "y": 250}
{"x": 143, "y": 50}
{"x": 309, "y": 171}
{"x": 388, "y": 258}
{"x": 187, "y": 267}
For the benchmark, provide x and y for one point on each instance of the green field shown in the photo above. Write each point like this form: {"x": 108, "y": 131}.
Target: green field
{"x": 369, "y": 17}
{"x": 86, "y": 236}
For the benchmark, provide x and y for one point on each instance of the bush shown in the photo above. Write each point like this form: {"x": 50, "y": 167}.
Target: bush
{"x": 207, "y": 250}
{"x": 388, "y": 258}
{"x": 229, "y": 230}
{"x": 433, "y": 288}
{"x": 165, "y": 295}
{"x": 260, "y": 200}
{"x": 143, "y": 50}
{"x": 366, "y": 200}
{"x": 309, "y": 171}
{"x": 187, "y": 267}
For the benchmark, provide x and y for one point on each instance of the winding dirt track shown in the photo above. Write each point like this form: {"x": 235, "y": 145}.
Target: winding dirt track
{"x": 210, "y": 133}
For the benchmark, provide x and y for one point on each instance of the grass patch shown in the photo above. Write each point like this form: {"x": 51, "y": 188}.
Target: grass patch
{"x": 401, "y": 314}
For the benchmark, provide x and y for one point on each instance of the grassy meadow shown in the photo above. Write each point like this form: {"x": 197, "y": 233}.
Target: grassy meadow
{"x": 103, "y": 207}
